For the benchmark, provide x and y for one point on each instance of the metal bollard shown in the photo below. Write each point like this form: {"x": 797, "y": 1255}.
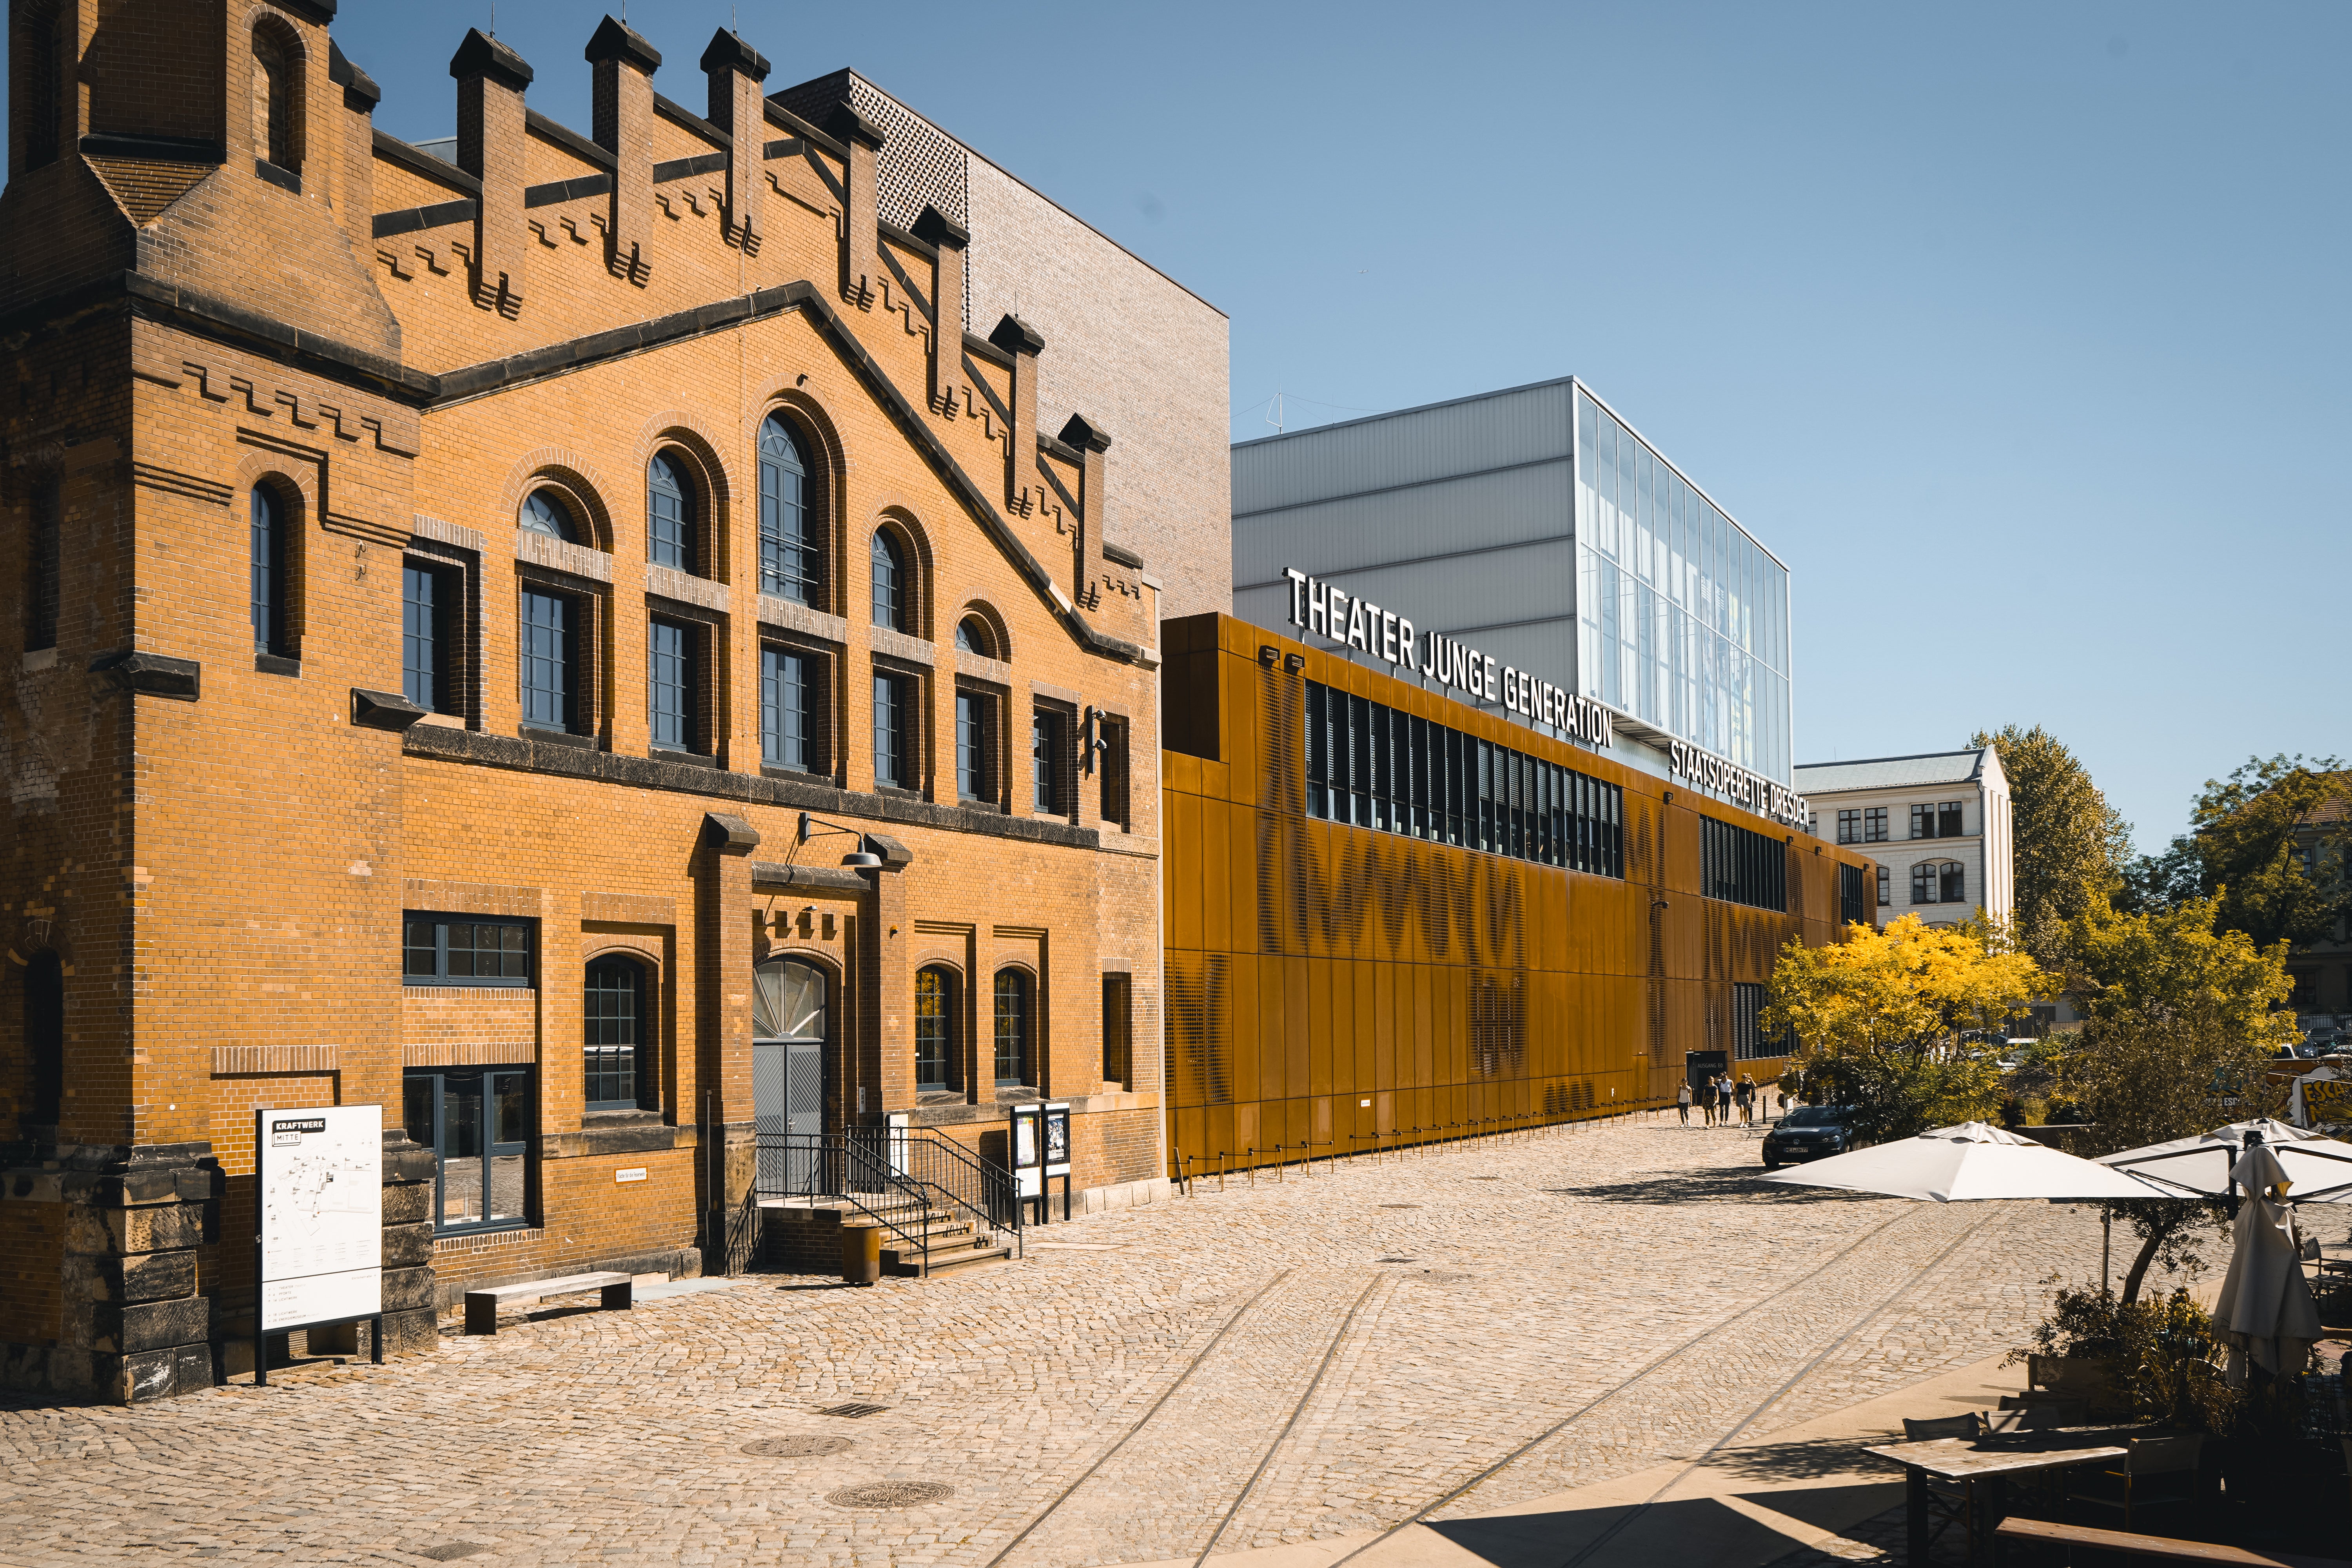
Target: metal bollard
{"x": 861, "y": 1254}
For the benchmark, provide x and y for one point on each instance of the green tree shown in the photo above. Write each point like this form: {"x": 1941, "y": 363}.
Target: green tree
{"x": 2183, "y": 1018}
{"x": 2271, "y": 841}
{"x": 2070, "y": 847}
{"x": 1904, "y": 1024}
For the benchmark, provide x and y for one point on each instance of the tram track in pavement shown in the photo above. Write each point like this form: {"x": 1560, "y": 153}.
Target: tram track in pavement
{"x": 1332, "y": 1349}
{"x": 1668, "y": 1357}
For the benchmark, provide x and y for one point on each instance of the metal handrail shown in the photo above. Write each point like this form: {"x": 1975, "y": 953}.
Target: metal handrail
{"x": 977, "y": 1189}
{"x": 843, "y": 1167}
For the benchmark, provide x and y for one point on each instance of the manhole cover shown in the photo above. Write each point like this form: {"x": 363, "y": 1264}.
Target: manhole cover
{"x": 1399, "y": 1206}
{"x": 795, "y": 1447}
{"x": 853, "y": 1408}
{"x": 450, "y": 1551}
{"x": 890, "y": 1494}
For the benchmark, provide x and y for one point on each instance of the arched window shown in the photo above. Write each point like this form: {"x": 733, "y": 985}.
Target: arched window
{"x": 975, "y": 636}
{"x": 1939, "y": 882}
{"x": 277, "y": 99}
{"x": 620, "y": 1058}
{"x": 45, "y": 1039}
{"x": 935, "y": 1028}
{"x": 1017, "y": 1028}
{"x": 268, "y": 550}
{"x": 788, "y": 1000}
{"x": 546, "y": 511}
{"x": 891, "y": 587}
{"x": 669, "y": 513}
{"x": 790, "y": 546}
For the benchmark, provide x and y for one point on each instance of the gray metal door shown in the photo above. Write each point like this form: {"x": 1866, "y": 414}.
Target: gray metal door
{"x": 789, "y": 1019}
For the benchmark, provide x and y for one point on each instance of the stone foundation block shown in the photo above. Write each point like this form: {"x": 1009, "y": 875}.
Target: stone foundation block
{"x": 161, "y": 1229}
{"x": 153, "y": 1276}
{"x": 410, "y": 1334}
{"x": 408, "y": 1289}
{"x": 406, "y": 1203}
{"x": 407, "y": 1246}
{"x": 129, "y": 1330}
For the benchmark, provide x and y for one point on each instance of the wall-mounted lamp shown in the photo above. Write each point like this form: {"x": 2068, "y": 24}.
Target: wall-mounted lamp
{"x": 858, "y": 860}
{"x": 1268, "y": 653}
{"x": 1292, "y": 663}
{"x": 1670, "y": 797}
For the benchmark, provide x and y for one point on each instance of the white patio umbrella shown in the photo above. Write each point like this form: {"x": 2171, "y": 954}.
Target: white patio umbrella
{"x": 2320, "y": 1167}
{"x": 1963, "y": 1163}
{"x": 2265, "y": 1313}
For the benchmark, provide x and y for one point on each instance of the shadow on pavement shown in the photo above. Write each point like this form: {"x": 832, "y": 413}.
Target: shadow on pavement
{"x": 1700, "y": 1187}
{"x": 1691, "y": 1530}
{"x": 1799, "y": 1461}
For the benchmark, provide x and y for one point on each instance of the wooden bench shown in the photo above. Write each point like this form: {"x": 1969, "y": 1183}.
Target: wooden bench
{"x": 482, "y": 1306}
{"x": 2043, "y": 1532}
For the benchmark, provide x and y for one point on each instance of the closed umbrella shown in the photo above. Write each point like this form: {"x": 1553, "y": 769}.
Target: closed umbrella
{"x": 2265, "y": 1314}
{"x": 2320, "y": 1167}
{"x": 1964, "y": 1163}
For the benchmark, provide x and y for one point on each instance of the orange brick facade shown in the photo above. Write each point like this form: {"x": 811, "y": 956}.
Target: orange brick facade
{"x": 219, "y": 278}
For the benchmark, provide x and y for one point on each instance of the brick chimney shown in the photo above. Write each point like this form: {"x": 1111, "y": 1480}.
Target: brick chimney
{"x": 1094, "y": 505}
{"x": 625, "y": 66}
{"x": 490, "y": 82}
{"x": 942, "y": 233}
{"x": 861, "y": 244}
{"x": 1021, "y": 341}
{"x": 736, "y": 71}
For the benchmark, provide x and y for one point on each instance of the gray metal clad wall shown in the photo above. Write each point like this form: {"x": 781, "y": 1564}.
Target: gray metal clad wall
{"x": 1522, "y": 426}
{"x": 1448, "y": 517}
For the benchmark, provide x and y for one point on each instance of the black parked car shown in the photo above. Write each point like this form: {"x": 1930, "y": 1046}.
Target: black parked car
{"x": 1808, "y": 1132}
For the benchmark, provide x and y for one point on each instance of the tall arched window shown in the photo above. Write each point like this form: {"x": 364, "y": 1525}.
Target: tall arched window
{"x": 620, "y": 1063}
{"x": 1939, "y": 882}
{"x": 669, "y": 513}
{"x": 935, "y": 1028}
{"x": 1016, "y": 1028}
{"x": 45, "y": 1039}
{"x": 546, "y": 511}
{"x": 268, "y": 550}
{"x": 276, "y": 99}
{"x": 790, "y": 546}
{"x": 891, "y": 587}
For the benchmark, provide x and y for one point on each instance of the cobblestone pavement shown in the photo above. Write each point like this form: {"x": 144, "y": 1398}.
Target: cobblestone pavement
{"x": 1277, "y": 1362}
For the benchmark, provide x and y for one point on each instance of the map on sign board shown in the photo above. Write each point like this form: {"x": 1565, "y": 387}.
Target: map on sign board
{"x": 320, "y": 1173}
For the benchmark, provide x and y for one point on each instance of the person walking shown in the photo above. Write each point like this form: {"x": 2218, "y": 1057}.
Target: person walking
{"x": 1682, "y": 1102}
{"x": 1746, "y": 1096}
{"x": 1722, "y": 1099}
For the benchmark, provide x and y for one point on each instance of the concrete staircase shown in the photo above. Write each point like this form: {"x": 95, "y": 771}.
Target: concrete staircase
{"x": 955, "y": 1247}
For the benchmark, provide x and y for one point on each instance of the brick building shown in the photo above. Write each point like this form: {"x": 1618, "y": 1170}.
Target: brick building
{"x": 447, "y": 584}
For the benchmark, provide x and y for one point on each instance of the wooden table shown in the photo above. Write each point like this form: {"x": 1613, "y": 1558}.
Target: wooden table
{"x": 1983, "y": 1466}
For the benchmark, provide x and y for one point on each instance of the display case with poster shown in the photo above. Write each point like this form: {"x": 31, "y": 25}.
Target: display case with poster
{"x": 317, "y": 1242}
{"x": 1028, "y": 1146}
{"x": 1056, "y": 1155}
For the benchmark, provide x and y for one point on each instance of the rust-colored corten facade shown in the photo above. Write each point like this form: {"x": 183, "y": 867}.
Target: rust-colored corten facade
{"x": 446, "y": 586}
{"x": 1345, "y": 986}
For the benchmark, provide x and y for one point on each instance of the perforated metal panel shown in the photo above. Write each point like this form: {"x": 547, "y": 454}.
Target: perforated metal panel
{"x": 920, "y": 165}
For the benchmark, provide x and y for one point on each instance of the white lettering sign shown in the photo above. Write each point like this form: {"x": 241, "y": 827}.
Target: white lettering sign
{"x": 1751, "y": 791}
{"x": 1319, "y": 606}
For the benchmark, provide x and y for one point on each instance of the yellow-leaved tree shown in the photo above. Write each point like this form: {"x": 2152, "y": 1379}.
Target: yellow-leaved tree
{"x": 1904, "y": 1024}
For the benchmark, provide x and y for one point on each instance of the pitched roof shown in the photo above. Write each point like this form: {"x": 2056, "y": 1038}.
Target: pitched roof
{"x": 1893, "y": 773}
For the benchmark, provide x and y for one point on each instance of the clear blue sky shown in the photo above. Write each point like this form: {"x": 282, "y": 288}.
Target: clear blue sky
{"x": 2017, "y": 331}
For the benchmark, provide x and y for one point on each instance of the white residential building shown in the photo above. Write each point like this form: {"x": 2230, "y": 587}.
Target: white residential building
{"x": 1937, "y": 824}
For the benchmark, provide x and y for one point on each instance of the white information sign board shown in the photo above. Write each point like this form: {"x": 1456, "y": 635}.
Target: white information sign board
{"x": 320, "y": 1175}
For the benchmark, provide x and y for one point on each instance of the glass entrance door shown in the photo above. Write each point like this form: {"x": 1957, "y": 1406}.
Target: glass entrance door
{"x": 789, "y": 1028}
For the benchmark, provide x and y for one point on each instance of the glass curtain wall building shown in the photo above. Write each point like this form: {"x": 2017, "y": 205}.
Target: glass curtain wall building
{"x": 1536, "y": 526}
{"x": 1683, "y": 618}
